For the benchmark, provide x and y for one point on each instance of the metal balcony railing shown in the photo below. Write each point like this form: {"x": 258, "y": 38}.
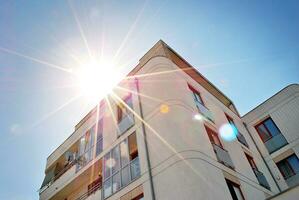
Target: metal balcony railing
{"x": 293, "y": 180}
{"x": 204, "y": 111}
{"x": 126, "y": 123}
{"x": 275, "y": 143}
{"x": 91, "y": 191}
{"x": 242, "y": 139}
{"x": 261, "y": 178}
{"x": 223, "y": 156}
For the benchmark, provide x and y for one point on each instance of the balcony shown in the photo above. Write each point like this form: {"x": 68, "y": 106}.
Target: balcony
{"x": 126, "y": 123}
{"x": 204, "y": 111}
{"x": 93, "y": 193}
{"x": 275, "y": 143}
{"x": 223, "y": 156}
{"x": 293, "y": 180}
{"x": 261, "y": 178}
{"x": 242, "y": 139}
{"x": 50, "y": 189}
{"x": 50, "y": 178}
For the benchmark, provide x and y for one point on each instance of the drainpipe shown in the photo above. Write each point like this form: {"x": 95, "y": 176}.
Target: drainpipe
{"x": 272, "y": 175}
{"x": 146, "y": 144}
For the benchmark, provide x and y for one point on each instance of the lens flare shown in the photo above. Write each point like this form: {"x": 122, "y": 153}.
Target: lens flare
{"x": 228, "y": 132}
{"x": 110, "y": 163}
{"x": 164, "y": 108}
{"x": 97, "y": 79}
{"x": 198, "y": 117}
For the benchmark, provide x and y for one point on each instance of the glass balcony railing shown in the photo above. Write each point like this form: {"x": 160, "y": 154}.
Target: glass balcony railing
{"x": 204, "y": 111}
{"x": 126, "y": 123}
{"x": 53, "y": 178}
{"x": 223, "y": 156}
{"x": 293, "y": 180}
{"x": 242, "y": 139}
{"x": 261, "y": 178}
{"x": 275, "y": 143}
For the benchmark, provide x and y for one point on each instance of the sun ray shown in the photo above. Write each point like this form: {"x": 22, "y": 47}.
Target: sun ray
{"x": 64, "y": 69}
{"x": 112, "y": 113}
{"x": 55, "y": 111}
{"x": 131, "y": 29}
{"x": 66, "y": 49}
{"x": 158, "y": 73}
{"x": 80, "y": 28}
{"x": 138, "y": 93}
{"x": 156, "y": 134}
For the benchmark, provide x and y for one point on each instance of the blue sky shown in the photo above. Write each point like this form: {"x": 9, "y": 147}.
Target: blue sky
{"x": 248, "y": 49}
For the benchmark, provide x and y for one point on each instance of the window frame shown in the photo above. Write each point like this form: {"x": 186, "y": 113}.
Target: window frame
{"x": 194, "y": 91}
{"x": 208, "y": 130}
{"x": 268, "y": 131}
{"x": 121, "y": 108}
{"x": 289, "y": 165}
{"x": 251, "y": 161}
{"x": 123, "y": 167}
{"x": 234, "y": 185}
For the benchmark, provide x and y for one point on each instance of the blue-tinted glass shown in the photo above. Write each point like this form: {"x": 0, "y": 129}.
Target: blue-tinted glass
{"x": 265, "y": 135}
{"x": 125, "y": 176}
{"x": 116, "y": 159}
{"x": 107, "y": 188}
{"x": 294, "y": 162}
{"x": 271, "y": 127}
{"x": 106, "y": 166}
{"x": 116, "y": 182}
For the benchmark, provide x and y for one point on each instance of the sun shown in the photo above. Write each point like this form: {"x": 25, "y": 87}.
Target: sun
{"x": 96, "y": 79}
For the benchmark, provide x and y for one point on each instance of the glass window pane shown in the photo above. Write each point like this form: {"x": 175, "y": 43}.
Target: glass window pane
{"x": 106, "y": 166}
{"x": 294, "y": 162}
{"x": 135, "y": 168}
{"x": 116, "y": 182}
{"x": 124, "y": 153}
{"x": 265, "y": 135}
{"x": 133, "y": 150}
{"x": 125, "y": 176}
{"x": 238, "y": 193}
{"x": 285, "y": 169}
{"x": 107, "y": 188}
{"x": 271, "y": 127}
{"x": 197, "y": 98}
{"x": 115, "y": 159}
{"x": 99, "y": 147}
{"x": 100, "y": 129}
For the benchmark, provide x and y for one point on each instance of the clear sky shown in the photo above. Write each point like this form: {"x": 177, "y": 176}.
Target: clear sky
{"x": 248, "y": 49}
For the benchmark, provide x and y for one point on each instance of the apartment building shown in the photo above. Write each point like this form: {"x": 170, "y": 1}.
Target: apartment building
{"x": 275, "y": 129}
{"x": 157, "y": 137}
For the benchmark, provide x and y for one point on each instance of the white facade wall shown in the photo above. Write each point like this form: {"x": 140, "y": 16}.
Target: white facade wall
{"x": 283, "y": 108}
{"x": 184, "y": 165}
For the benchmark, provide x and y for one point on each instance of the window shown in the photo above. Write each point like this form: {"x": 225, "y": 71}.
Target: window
{"x": 251, "y": 161}
{"x": 289, "y": 166}
{"x": 196, "y": 95}
{"x": 86, "y": 144}
{"x": 139, "y": 197}
{"x": 234, "y": 190}
{"x": 121, "y": 165}
{"x": 122, "y": 110}
{"x": 213, "y": 136}
{"x": 230, "y": 120}
{"x": 267, "y": 129}
{"x": 99, "y": 147}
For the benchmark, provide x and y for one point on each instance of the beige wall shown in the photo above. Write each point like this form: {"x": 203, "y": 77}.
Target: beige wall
{"x": 283, "y": 108}
{"x": 183, "y": 161}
